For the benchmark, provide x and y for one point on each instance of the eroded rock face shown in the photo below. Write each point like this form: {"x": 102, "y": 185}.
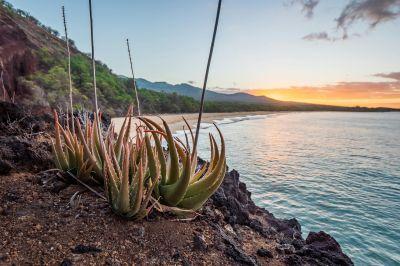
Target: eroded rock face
{"x": 16, "y": 57}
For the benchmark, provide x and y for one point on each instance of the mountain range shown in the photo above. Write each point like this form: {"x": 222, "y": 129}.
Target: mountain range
{"x": 195, "y": 92}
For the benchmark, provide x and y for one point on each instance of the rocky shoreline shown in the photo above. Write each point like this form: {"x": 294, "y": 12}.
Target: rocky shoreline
{"x": 46, "y": 221}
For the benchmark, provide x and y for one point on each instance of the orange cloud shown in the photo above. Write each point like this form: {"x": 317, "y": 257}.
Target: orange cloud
{"x": 370, "y": 94}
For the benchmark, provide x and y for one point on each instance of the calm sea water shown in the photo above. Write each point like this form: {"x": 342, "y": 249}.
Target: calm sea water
{"x": 337, "y": 172}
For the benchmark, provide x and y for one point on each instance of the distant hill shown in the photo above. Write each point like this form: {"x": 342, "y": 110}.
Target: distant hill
{"x": 195, "y": 92}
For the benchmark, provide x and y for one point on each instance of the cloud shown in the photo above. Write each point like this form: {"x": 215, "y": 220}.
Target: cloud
{"x": 227, "y": 90}
{"x": 372, "y": 12}
{"x": 308, "y": 6}
{"x": 323, "y": 35}
{"x": 393, "y": 75}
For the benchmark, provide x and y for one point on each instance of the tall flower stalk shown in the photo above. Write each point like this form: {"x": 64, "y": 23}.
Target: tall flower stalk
{"x": 93, "y": 59}
{"x": 69, "y": 69}
{"x": 206, "y": 76}
{"x": 133, "y": 77}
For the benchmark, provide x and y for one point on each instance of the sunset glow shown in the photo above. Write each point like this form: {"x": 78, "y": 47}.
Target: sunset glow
{"x": 368, "y": 94}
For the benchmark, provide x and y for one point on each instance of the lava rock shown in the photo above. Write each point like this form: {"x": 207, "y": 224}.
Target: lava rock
{"x": 82, "y": 249}
{"x": 5, "y": 167}
{"x": 66, "y": 262}
{"x": 11, "y": 196}
{"x": 240, "y": 256}
{"x": 323, "y": 241}
{"x": 199, "y": 242}
{"x": 3, "y": 257}
{"x": 323, "y": 248}
{"x": 262, "y": 252}
{"x": 139, "y": 232}
{"x": 285, "y": 249}
{"x": 233, "y": 250}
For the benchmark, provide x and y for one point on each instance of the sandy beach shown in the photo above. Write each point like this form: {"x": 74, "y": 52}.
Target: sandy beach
{"x": 176, "y": 122}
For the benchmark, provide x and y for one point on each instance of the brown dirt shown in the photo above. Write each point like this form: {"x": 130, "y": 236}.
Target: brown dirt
{"x": 41, "y": 227}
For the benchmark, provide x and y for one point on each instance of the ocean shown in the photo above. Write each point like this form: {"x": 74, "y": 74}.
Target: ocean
{"x": 333, "y": 171}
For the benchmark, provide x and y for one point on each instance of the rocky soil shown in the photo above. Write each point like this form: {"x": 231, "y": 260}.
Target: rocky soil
{"x": 45, "y": 221}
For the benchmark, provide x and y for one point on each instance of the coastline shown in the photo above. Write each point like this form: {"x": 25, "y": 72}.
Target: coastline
{"x": 176, "y": 122}
{"x": 47, "y": 221}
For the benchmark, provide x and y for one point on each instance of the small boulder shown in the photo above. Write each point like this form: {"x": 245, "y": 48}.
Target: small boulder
{"x": 262, "y": 252}
{"x": 199, "y": 242}
{"x": 5, "y": 167}
{"x": 81, "y": 249}
{"x": 285, "y": 249}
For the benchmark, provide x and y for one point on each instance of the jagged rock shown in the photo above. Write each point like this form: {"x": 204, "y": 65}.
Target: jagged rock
{"x": 5, "y": 167}
{"x": 66, "y": 262}
{"x": 323, "y": 247}
{"x": 262, "y": 252}
{"x": 81, "y": 249}
{"x": 199, "y": 242}
{"x": 285, "y": 249}
{"x": 233, "y": 249}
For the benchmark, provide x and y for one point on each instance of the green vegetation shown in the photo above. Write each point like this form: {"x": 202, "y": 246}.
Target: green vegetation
{"x": 115, "y": 93}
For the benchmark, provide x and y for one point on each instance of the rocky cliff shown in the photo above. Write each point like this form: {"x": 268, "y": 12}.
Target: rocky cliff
{"x": 19, "y": 39}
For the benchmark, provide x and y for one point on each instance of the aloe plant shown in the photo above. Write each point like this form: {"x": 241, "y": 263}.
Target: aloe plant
{"x": 83, "y": 152}
{"x": 69, "y": 154}
{"x": 126, "y": 186}
{"x": 184, "y": 184}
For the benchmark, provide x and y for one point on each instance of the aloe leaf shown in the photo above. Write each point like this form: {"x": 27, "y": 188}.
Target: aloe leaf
{"x": 86, "y": 149}
{"x": 110, "y": 183}
{"x": 123, "y": 200}
{"x": 196, "y": 202}
{"x": 173, "y": 175}
{"x": 121, "y": 135}
{"x": 174, "y": 193}
{"x": 56, "y": 160}
{"x": 199, "y": 173}
{"x": 160, "y": 151}
{"x": 58, "y": 146}
{"x": 154, "y": 173}
{"x": 139, "y": 192}
{"x": 128, "y": 129}
{"x": 217, "y": 156}
{"x": 117, "y": 166}
{"x": 194, "y": 152}
{"x": 210, "y": 179}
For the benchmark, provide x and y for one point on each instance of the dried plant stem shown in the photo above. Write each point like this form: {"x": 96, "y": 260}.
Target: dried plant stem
{"x": 133, "y": 77}
{"x": 206, "y": 77}
{"x": 93, "y": 59}
{"x": 86, "y": 186}
{"x": 69, "y": 69}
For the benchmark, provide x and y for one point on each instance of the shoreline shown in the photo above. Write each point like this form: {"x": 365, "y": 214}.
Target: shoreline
{"x": 176, "y": 122}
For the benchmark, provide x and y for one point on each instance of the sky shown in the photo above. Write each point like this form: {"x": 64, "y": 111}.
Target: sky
{"x": 342, "y": 52}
